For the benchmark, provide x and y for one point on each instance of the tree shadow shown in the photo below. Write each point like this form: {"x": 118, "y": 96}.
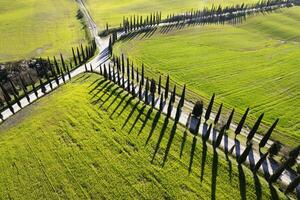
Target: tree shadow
{"x": 161, "y": 135}
{"x": 214, "y": 175}
{"x": 107, "y": 89}
{"x": 226, "y": 152}
{"x": 126, "y": 105}
{"x": 242, "y": 182}
{"x": 130, "y": 114}
{"x": 141, "y": 111}
{"x": 203, "y": 160}
{"x": 194, "y": 144}
{"x": 173, "y": 131}
{"x": 118, "y": 106}
{"x": 184, "y": 136}
{"x": 274, "y": 195}
{"x": 251, "y": 159}
{"x": 153, "y": 126}
{"x": 97, "y": 86}
{"x": 110, "y": 95}
{"x": 148, "y": 115}
{"x": 257, "y": 187}
{"x": 99, "y": 89}
{"x": 116, "y": 97}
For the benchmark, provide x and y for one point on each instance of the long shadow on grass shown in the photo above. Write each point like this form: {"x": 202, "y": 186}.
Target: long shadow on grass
{"x": 148, "y": 115}
{"x": 97, "y": 86}
{"x": 116, "y": 97}
{"x": 126, "y": 105}
{"x": 99, "y": 89}
{"x": 153, "y": 126}
{"x": 141, "y": 111}
{"x": 118, "y": 106}
{"x": 113, "y": 92}
{"x": 184, "y": 137}
{"x": 161, "y": 135}
{"x": 242, "y": 181}
{"x": 257, "y": 187}
{"x": 107, "y": 89}
{"x": 172, "y": 134}
{"x": 194, "y": 144}
{"x": 214, "y": 175}
{"x": 131, "y": 113}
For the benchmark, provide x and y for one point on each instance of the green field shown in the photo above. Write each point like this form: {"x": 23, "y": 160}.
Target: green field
{"x": 254, "y": 64}
{"x": 35, "y": 28}
{"x": 88, "y": 140}
{"x": 112, "y": 11}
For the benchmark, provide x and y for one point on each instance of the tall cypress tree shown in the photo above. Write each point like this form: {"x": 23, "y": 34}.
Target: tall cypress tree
{"x": 109, "y": 72}
{"x": 167, "y": 87}
{"x": 7, "y": 98}
{"x": 85, "y": 67}
{"x": 105, "y": 72}
{"x": 128, "y": 75}
{"x": 143, "y": 76}
{"x": 15, "y": 94}
{"x": 137, "y": 75}
{"x": 33, "y": 85}
{"x": 218, "y": 114}
{"x": 74, "y": 57}
{"x": 181, "y": 102}
{"x": 266, "y": 137}
{"x": 140, "y": 90}
{"x": 209, "y": 108}
{"x": 114, "y": 74}
{"x": 63, "y": 62}
{"x": 220, "y": 137}
{"x": 82, "y": 53}
{"x": 241, "y": 123}
{"x": 161, "y": 102}
{"x": 153, "y": 90}
{"x": 25, "y": 90}
{"x": 56, "y": 65}
{"x": 69, "y": 74}
{"x": 13, "y": 87}
{"x": 159, "y": 85}
{"x": 229, "y": 119}
{"x": 254, "y": 128}
{"x": 242, "y": 158}
{"x": 42, "y": 86}
{"x": 173, "y": 96}
{"x": 147, "y": 90}
{"x": 78, "y": 56}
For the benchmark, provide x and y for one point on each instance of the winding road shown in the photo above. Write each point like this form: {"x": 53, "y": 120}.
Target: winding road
{"x": 102, "y": 58}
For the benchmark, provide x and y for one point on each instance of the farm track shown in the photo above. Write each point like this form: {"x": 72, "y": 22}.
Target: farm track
{"x": 103, "y": 58}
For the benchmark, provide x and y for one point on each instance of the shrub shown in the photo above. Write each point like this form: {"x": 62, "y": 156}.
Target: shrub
{"x": 198, "y": 109}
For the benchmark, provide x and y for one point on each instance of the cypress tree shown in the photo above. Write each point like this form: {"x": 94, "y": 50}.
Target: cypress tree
{"x": 100, "y": 67}
{"x": 85, "y": 67}
{"x": 255, "y": 127}
{"x": 147, "y": 90}
{"x": 82, "y": 53}
{"x": 292, "y": 186}
{"x": 114, "y": 74}
{"x": 288, "y": 163}
{"x": 25, "y": 91}
{"x": 260, "y": 162}
{"x": 241, "y": 123}
{"x": 143, "y": 77}
{"x": 153, "y": 90}
{"x": 51, "y": 68}
{"x": 105, "y": 72}
{"x": 173, "y": 96}
{"x": 33, "y": 86}
{"x": 7, "y": 99}
{"x": 140, "y": 91}
{"x": 209, "y": 108}
{"x": 71, "y": 65}
{"x": 266, "y": 137}
{"x": 167, "y": 87}
{"x": 87, "y": 53}
{"x": 56, "y": 65}
{"x": 170, "y": 108}
{"x": 15, "y": 95}
{"x": 220, "y": 137}
{"x": 91, "y": 67}
{"x": 218, "y": 114}
{"x": 198, "y": 109}
{"x": 137, "y": 75}
{"x": 74, "y": 57}
{"x": 63, "y": 76}
{"x": 132, "y": 73}
{"x": 128, "y": 75}
{"x": 123, "y": 72}
{"x": 63, "y": 62}
{"x": 42, "y": 86}
{"x": 118, "y": 76}
{"x": 15, "y": 91}
{"x": 78, "y": 56}
{"x": 205, "y": 136}
{"x": 229, "y": 119}
{"x": 295, "y": 152}
{"x": 69, "y": 74}
{"x": 181, "y": 102}
{"x": 109, "y": 72}
{"x": 161, "y": 103}
{"x": 159, "y": 84}
{"x": 242, "y": 158}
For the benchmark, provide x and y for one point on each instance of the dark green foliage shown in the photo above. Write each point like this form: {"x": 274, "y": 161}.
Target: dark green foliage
{"x": 153, "y": 90}
{"x": 181, "y": 102}
{"x": 63, "y": 62}
{"x": 74, "y": 57}
{"x": 205, "y": 136}
{"x": 274, "y": 148}
{"x": 173, "y": 95}
{"x": 170, "y": 108}
{"x": 209, "y": 108}
{"x": 295, "y": 152}
{"x": 132, "y": 73}
{"x": 147, "y": 91}
{"x": 143, "y": 76}
{"x": 255, "y": 127}
{"x": 266, "y": 137}
{"x": 198, "y": 109}
{"x": 159, "y": 84}
{"x": 105, "y": 72}
{"x": 167, "y": 87}
{"x": 69, "y": 74}
{"x": 140, "y": 91}
{"x": 109, "y": 72}
{"x": 220, "y": 137}
{"x": 85, "y": 67}
{"x": 56, "y": 65}
{"x": 84, "y": 58}
{"x": 100, "y": 68}
{"x": 78, "y": 56}
{"x": 33, "y": 86}
{"x": 15, "y": 91}
{"x": 25, "y": 91}
{"x": 137, "y": 75}
{"x": 42, "y": 85}
{"x": 241, "y": 123}
{"x": 229, "y": 119}
{"x": 161, "y": 103}
{"x": 128, "y": 75}
{"x": 218, "y": 114}
{"x": 7, "y": 98}
{"x": 242, "y": 158}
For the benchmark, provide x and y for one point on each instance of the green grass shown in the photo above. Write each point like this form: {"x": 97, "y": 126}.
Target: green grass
{"x": 254, "y": 64}
{"x": 77, "y": 144}
{"x": 112, "y": 11}
{"x": 35, "y": 28}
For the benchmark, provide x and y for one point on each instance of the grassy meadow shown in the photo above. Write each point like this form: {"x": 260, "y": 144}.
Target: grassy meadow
{"x": 90, "y": 140}
{"x": 112, "y": 11}
{"x": 35, "y": 28}
{"x": 253, "y": 64}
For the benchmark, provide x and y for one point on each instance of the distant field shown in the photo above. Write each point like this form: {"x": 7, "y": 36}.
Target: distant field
{"x": 112, "y": 11}
{"x": 34, "y": 28}
{"x": 88, "y": 140}
{"x": 254, "y": 64}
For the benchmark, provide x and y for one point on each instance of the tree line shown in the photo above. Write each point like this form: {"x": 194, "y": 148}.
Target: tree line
{"x": 47, "y": 71}
{"x": 122, "y": 72}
